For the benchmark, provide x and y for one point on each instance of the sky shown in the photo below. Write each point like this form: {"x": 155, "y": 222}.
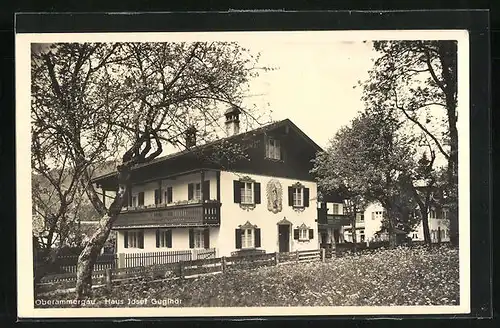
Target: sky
{"x": 314, "y": 83}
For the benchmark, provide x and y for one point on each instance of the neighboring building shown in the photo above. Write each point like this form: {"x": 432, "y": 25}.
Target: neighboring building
{"x": 188, "y": 201}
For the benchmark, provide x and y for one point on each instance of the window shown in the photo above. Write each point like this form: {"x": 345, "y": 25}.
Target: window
{"x": 432, "y": 214}
{"x": 169, "y": 195}
{"x": 133, "y": 239}
{"x": 163, "y": 238}
{"x": 362, "y": 238}
{"x": 303, "y": 233}
{"x": 198, "y": 239}
{"x": 247, "y": 238}
{"x": 194, "y": 191}
{"x": 445, "y": 213}
{"x": 377, "y": 215}
{"x": 273, "y": 149}
{"x": 298, "y": 197}
{"x": 141, "y": 198}
{"x": 134, "y": 201}
{"x": 415, "y": 236}
{"x": 361, "y": 217}
{"x": 247, "y": 193}
{"x": 336, "y": 209}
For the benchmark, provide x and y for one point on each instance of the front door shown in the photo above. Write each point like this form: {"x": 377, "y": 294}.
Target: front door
{"x": 284, "y": 237}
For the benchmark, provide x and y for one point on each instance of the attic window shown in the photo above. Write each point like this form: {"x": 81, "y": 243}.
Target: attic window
{"x": 273, "y": 149}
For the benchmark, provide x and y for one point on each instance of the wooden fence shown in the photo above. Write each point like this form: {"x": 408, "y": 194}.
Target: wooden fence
{"x": 153, "y": 258}
{"x": 183, "y": 269}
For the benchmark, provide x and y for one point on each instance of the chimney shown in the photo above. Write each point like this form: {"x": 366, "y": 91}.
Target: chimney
{"x": 232, "y": 121}
{"x": 190, "y": 137}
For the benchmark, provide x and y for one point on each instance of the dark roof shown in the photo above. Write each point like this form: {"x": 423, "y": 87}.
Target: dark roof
{"x": 234, "y": 138}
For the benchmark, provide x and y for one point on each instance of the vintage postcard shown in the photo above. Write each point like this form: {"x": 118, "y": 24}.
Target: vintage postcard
{"x": 242, "y": 173}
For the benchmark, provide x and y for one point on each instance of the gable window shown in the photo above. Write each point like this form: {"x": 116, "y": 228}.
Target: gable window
{"x": 163, "y": 238}
{"x": 303, "y": 233}
{"x": 194, "y": 191}
{"x": 247, "y": 236}
{"x": 169, "y": 195}
{"x": 377, "y": 215}
{"x": 273, "y": 149}
{"x": 133, "y": 239}
{"x": 199, "y": 238}
{"x": 298, "y": 196}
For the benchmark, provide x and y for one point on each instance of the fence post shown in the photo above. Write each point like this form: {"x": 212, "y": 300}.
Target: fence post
{"x": 181, "y": 269}
{"x": 276, "y": 258}
{"x": 323, "y": 255}
{"x": 121, "y": 260}
{"x": 297, "y": 255}
{"x": 108, "y": 279}
{"x": 223, "y": 264}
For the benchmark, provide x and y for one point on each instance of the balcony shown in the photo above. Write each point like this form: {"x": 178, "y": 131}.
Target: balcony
{"x": 332, "y": 220}
{"x": 185, "y": 214}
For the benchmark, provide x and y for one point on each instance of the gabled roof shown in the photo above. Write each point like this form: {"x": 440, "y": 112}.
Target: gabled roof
{"x": 235, "y": 138}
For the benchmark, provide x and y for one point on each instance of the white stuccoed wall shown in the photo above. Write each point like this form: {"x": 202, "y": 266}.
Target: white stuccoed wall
{"x": 232, "y": 215}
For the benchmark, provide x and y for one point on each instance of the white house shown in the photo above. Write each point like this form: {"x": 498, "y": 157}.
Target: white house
{"x": 187, "y": 201}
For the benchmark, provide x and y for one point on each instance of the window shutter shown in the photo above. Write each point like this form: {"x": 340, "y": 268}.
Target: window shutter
{"x": 141, "y": 198}
{"x": 191, "y": 238}
{"x": 125, "y": 239}
{"x": 206, "y": 190}
{"x": 296, "y": 234}
{"x": 169, "y": 238}
{"x": 311, "y": 233}
{"x": 256, "y": 192}
{"x": 290, "y": 196}
{"x": 237, "y": 191}
{"x": 257, "y": 237}
{"x": 190, "y": 191}
{"x": 237, "y": 235}
{"x": 206, "y": 238}
{"x": 157, "y": 238}
{"x": 141, "y": 239}
{"x": 169, "y": 195}
{"x": 157, "y": 196}
{"x": 306, "y": 197}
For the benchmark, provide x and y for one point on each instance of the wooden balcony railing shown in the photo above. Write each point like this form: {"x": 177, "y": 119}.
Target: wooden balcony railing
{"x": 161, "y": 215}
{"x": 334, "y": 220}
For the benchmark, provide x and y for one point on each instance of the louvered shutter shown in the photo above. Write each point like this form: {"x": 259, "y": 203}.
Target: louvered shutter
{"x": 206, "y": 190}
{"x": 157, "y": 238}
{"x": 190, "y": 191}
{"x": 306, "y": 197}
{"x": 257, "y": 237}
{"x": 290, "y": 196}
{"x": 311, "y": 233}
{"x": 125, "y": 239}
{"x": 141, "y": 239}
{"x": 256, "y": 192}
{"x": 295, "y": 234}
{"x": 206, "y": 238}
{"x": 191, "y": 238}
{"x": 237, "y": 237}
{"x": 237, "y": 191}
{"x": 169, "y": 238}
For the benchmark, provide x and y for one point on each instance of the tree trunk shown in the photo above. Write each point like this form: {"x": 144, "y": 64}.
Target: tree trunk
{"x": 353, "y": 225}
{"x": 88, "y": 256}
{"x": 425, "y": 225}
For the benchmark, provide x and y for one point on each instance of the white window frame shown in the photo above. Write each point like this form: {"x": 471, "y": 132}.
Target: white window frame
{"x": 298, "y": 197}
{"x": 247, "y": 193}
{"x": 197, "y": 191}
{"x": 247, "y": 238}
{"x": 163, "y": 238}
{"x": 303, "y": 234}
{"x": 432, "y": 214}
{"x": 133, "y": 239}
{"x": 273, "y": 149}
{"x": 198, "y": 238}
{"x": 335, "y": 209}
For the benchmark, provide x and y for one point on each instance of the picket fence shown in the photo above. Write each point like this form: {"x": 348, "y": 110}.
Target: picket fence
{"x": 181, "y": 270}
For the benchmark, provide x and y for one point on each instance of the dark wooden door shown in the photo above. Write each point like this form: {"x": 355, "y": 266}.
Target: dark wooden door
{"x": 284, "y": 237}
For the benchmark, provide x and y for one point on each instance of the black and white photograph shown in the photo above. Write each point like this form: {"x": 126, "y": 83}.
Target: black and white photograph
{"x": 243, "y": 173}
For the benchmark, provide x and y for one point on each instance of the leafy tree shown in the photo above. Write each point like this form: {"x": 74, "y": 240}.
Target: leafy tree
{"x": 418, "y": 80}
{"x": 368, "y": 159}
{"x": 125, "y": 101}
